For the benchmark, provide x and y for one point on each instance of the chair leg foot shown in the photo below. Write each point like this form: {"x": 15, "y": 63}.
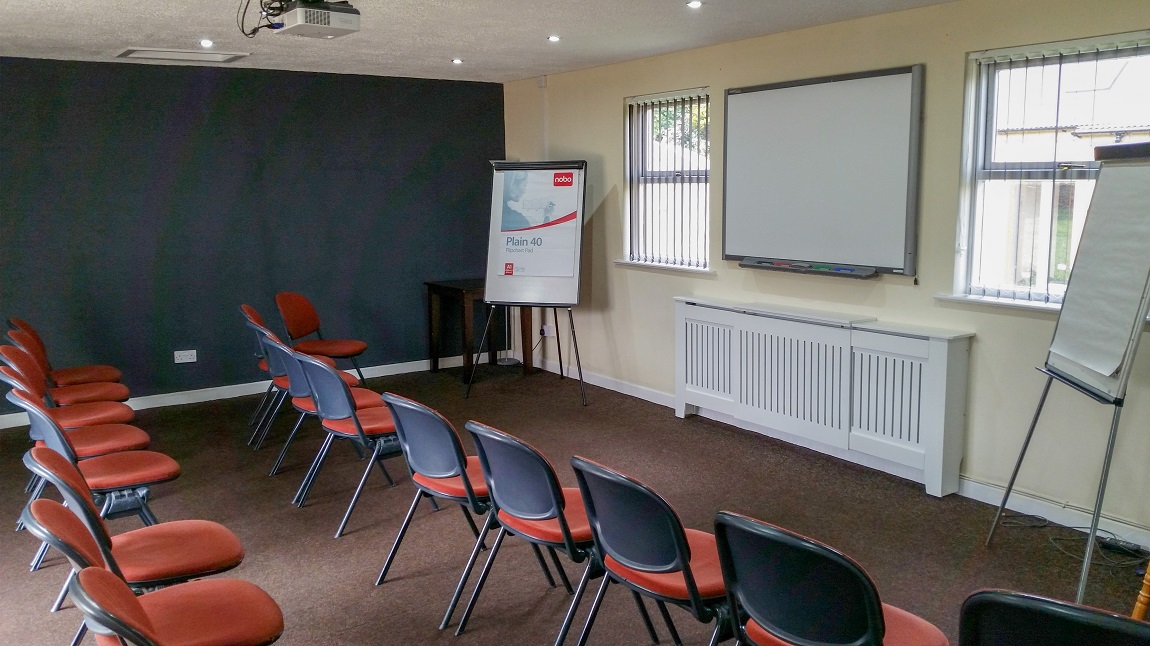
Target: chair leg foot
{"x": 358, "y": 490}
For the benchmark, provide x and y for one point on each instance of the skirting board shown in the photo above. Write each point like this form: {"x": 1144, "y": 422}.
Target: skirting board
{"x": 983, "y": 492}
{"x": 11, "y": 420}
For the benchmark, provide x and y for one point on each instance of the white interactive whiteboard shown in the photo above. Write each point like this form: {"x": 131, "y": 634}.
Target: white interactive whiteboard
{"x": 536, "y": 233}
{"x": 1108, "y": 295}
{"x": 825, "y": 171}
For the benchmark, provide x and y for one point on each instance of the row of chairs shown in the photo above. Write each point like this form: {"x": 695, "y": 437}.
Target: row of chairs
{"x": 756, "y": 581}
{"x": 87, "y": 451}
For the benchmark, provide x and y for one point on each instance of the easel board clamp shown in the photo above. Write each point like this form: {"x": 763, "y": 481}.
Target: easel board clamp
{"x": 826, "y": 269}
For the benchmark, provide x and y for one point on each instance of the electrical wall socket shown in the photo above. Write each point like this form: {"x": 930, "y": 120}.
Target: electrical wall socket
{"x": 546, "y": 330}
{"x": 185, "y": 356}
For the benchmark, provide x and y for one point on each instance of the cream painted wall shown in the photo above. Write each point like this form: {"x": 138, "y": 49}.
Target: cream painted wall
{"x": 625, "y": 321}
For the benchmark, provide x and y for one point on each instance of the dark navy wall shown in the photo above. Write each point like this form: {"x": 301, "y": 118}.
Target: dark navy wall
{"x": 140, "y": 205}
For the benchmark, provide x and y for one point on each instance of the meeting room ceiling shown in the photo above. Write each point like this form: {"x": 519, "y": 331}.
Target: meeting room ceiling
{"x": 496, "y": 40}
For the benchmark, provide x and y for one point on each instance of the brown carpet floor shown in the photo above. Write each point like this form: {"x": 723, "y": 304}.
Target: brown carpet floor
{"x": 925, "y": 554}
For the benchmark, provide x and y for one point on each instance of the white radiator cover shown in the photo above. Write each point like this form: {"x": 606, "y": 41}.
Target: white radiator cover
{"x": 886, "y": 395}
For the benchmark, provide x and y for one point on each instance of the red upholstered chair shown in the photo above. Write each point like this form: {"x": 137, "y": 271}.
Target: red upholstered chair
{"x": 300, "y": 320}
{"x": 440, "y": 470}
{"x": 788, "y": 590}
{"x": 208, "y": 612}
{"x": 290, "y": 377}
{"x": 95, "y": 391}
{"x": 146, "y": 558}
{"x": 528, "y": 501}
{"x": 23, "y": 373}
{"x": 253, "y": 320}
{"x": 66, "y": 376}
{"x": 371, "y": 429}
{"x": 641, "y": 543}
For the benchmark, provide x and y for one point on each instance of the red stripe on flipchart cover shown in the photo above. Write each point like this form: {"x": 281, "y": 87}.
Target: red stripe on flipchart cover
{"x": 567, "y": 218}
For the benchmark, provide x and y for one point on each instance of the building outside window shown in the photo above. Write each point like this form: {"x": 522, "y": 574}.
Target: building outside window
{"x": 668, "y": 180}
{"x": 1034, "y": 116}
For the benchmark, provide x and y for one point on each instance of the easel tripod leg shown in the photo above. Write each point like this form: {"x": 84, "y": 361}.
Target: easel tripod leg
{"x": 1098, "y": 504}
{"x": 475, "y": 363}
{"x": 578, "y": 362}
{"x": 1021, "y": 455}
{"x": 558, "y": 341}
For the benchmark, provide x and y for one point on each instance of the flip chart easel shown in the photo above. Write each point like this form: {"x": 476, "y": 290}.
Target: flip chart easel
{"x": 1104, "y": 309}
{"x": 535, "y": 239}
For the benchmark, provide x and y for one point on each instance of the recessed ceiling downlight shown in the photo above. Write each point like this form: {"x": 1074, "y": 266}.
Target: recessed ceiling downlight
{"x": 553, "y": 38}
{"x": 695, "y": 4}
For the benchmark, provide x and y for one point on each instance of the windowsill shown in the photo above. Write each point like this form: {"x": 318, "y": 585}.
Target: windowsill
{"x": 1000, "y": 302}
{"x": 646, "y": 265}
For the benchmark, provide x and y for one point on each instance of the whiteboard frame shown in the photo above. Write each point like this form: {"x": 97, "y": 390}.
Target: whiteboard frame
{"x": 542, "y": 291}
{"x": 906, "y": 262}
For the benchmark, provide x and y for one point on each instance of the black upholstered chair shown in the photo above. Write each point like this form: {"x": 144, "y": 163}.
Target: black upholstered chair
{"x": 786, "y": 589}
{"x": 1006, "y": 618}
{"x": 641, "y": 543}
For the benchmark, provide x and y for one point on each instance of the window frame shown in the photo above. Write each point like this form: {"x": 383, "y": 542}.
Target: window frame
{"x": 639, "y": 171}
{"x": 978, "y": 146}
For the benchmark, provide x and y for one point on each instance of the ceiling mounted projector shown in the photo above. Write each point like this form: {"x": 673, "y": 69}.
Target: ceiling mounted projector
{"x": 318, "y": 19}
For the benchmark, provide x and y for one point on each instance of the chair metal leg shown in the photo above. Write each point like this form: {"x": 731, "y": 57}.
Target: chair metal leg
{"x": 570, "y": 616}
{"x": 488, "y": 523}
{"x": 470, "y": 520}
{"x": 399, "y": 537}
{"x": 59, "y": 602}
{"x": 38, "y": 558}
{"x": 80, "y": 632}
{"x": 667, "y": 620}
{"x": 479, "y": 584}
{"x": 646, "y": 617}
{"x": 283, "y": 451}
{"x": 257, "y": 437}
{"x": 559, "y": 567}
{"x": 260, "y": 406}
{"x": 313, "y": 470}
{"x": 31, "y": 483}
{"x": 145, "y": 513}
{"x": 359, "y": 489}
{"x": 357, "y": 370}
{"x": 543, "y": 565}
{"x": 594, "y": 610}
{"x": 377, "y": 457}
{"x": 35, "y": 492}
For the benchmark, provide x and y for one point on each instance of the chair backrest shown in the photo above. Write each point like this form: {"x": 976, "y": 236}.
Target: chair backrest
{"x": 25, "y": 327}
{"x": 429, "y": 442}
{"x": 28, "y": 344}
{"x": 631, "y": 523}
{"x": 281, "y": 361}
{"x": 64, "y": 475}
{"x": 331, "y": 394}
{"x": 111, "y": 607}
{"x": 797, "y": 589}
{"x": 41, "y": 426}
{"x": 256, "y": 323}
{"x": 35, "y": 380}
{"x": 299, "y": 315}
{"x": 1003, "y": 617}
{"x": 56, "y": 525}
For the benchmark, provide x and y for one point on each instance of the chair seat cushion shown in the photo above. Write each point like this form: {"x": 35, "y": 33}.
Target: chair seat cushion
{"x": 90, "y": 441}
{"x": 176, "y": 551}
{"x": 85, "y": 374}
{"x": 902, "y": 629}
{"x": 91, "y": 414}
{"x": 704, "y": 567}
{"x": 100, "y": 391}
{"x": 453, "y": 487}
{"x": 213, "y": 611}
{"x": 374, "y": 421}
{"x": 332, "y": 347}
{"x": 128, "y": 469}
{"x": 548, "y": 530}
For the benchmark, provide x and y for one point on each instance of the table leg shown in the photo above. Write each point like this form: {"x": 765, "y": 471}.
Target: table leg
{"x": 525, "y": 338}
{"x": 468, "y": 332}
{"x": 433, "y": 307}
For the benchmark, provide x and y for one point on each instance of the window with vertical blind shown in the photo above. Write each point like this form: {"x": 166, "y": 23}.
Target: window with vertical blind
{"x": 668, "y": 180}
{"x": 1034, "y": 116}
